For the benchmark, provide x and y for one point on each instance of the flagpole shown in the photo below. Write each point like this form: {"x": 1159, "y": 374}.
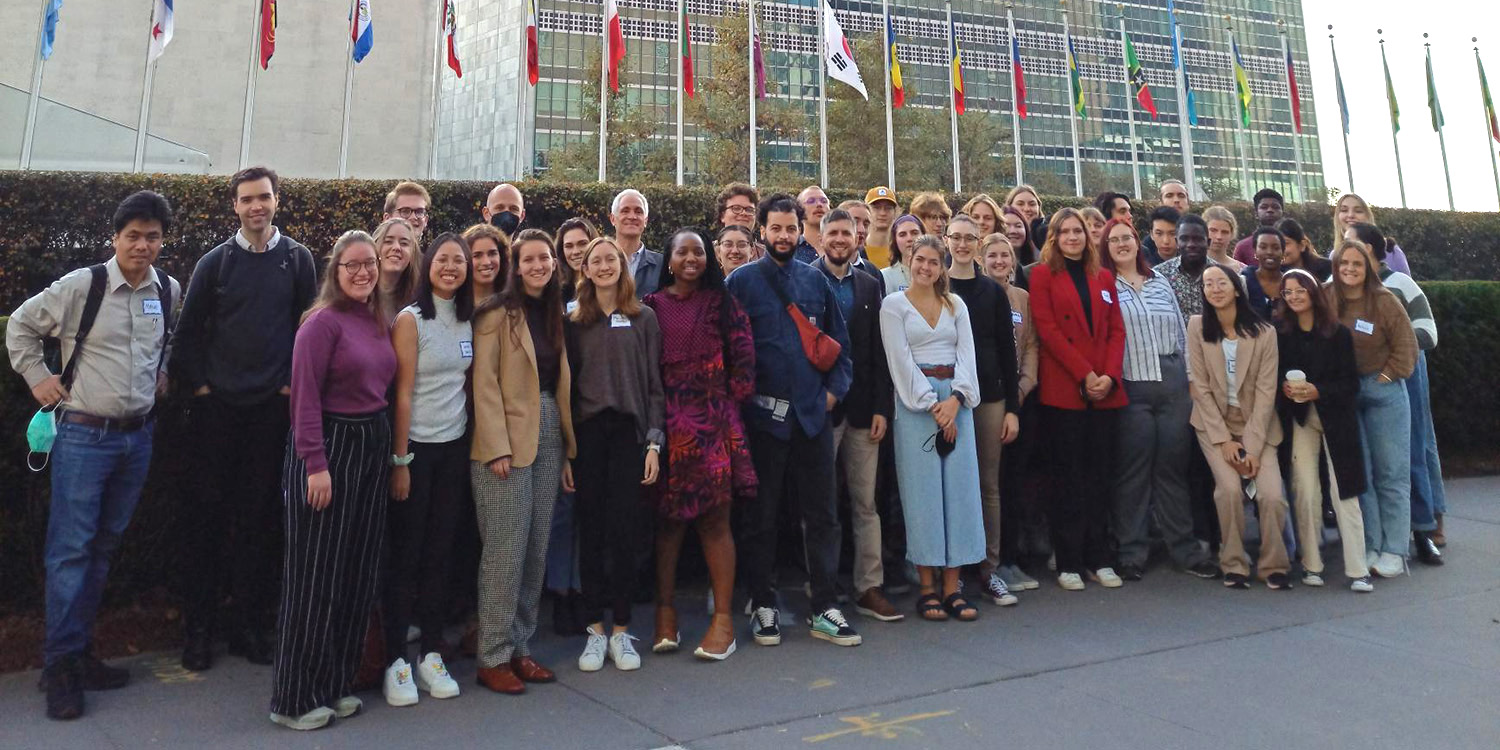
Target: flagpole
{"x": 1348, "y": 162}
{"x": 1442, "y": 145}
{"x": 139, "y": 161}
{"x": 1395, "y": 143}
{"x": 1488, "y": 145}
{"x": 1241, "y": 138}
{"x": 754, "y": 84}
{"x": 1072, "y": 108}
{"x": 437, "y": 85}
{"x": 36, "y": 91}
{"x": 1286, "y": 54}
{"x": 250, "y": 87}
{"x": 603, "y": 84}
{"x": 525, "y": 101}
{"x": 952, "y": 97}
{"x": 1015, "y": 103}
{"x": 682, "y": 39}
{"x": 348, "y": 95}
{"x": 1184, "y": 126}
{"x": 822, "y": 95}
{"x": 890, "y": 138}
{"x": 1135, "y": 163}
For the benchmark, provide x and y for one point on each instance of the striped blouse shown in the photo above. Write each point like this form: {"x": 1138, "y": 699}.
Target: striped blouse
{"x": 1153, "y": 326}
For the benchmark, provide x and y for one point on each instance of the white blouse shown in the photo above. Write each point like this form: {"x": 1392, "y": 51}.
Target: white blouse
{"x": 910, "y": 341}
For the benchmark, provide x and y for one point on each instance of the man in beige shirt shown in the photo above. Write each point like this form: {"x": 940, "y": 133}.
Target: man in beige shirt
{"x": 103, "y": 400}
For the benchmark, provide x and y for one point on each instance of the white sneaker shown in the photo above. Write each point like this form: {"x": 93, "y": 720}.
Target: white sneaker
{"x": 1310, "y": 578}
{"x": 1107, "y": 578}
{"x": 1070, "y": 581}
{"x": 347, "y": 706}
{"x": 1371, "y": 557}
{"x": 399, "y": 689}
{"x": 622, "y": 652}
{"x": 1361, "y": 585}
{"x": 1389, "y": 565}
{"x": 592, "y": 659}
{"x": 314, "y": 719}
{"x": 432, "y": 676}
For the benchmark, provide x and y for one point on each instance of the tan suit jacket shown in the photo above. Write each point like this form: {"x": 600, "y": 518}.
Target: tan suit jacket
{"x": 507, "y": 392}
{"x": 1257, "y": 425}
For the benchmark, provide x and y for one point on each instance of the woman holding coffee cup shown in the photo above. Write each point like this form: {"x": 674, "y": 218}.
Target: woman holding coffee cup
{"x": 1316, "y": 406}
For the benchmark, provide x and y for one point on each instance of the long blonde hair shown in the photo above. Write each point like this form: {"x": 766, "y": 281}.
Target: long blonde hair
{"x": 405, "y": 292}
{"x": 940, "y": 284}
{"x": 588, "y": 309}
{"x": 331, "y": 293}
{"x": 1339, "y": 229}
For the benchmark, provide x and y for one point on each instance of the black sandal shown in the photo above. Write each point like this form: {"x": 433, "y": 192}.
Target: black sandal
{"x": 930, "y": 608}
{"x": 960, "y": 608}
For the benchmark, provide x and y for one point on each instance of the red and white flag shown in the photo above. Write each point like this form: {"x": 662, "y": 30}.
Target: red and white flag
{"x": 450, "y": 30}
{"x": 161, "y": 27}
{"x": 267, "y": 32}
{"x": 616, "y": 34}
{"x": 533, "y": 56}
{"x": 841, "y": 65}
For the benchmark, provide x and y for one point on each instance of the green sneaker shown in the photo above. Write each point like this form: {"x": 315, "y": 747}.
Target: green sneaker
{"x": 831, "y": 626}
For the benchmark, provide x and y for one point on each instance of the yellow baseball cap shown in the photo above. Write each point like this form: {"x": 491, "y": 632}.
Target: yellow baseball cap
{"x": 881, "y": 193}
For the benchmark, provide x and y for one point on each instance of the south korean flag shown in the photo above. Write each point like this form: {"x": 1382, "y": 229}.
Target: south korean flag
{"x": 841, "y": 65}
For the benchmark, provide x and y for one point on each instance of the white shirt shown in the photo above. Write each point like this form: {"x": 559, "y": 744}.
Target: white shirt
{"x": 1232, "y": 368}
{"x": 910, "y": 342}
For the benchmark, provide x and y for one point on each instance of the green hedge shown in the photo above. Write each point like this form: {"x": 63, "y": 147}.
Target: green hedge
{"x": 1465, "y": 406}
{"x": 56, "y": 221}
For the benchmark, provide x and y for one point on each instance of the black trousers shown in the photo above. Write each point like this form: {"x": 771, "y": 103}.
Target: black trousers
{"x": 331, "y": 566}
{"x": 1015, "y": 468}
{"x": 231, "y": 519}
{"x": 1082, "y": 447}
{"x": 613, "y": 518}
{"x": 798, "y": 471}
{"x": 420, "y": 545}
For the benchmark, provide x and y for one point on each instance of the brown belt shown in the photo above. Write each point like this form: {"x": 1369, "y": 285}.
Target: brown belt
{"x": 941, "y": 372}
{"x": 104, "y": 423}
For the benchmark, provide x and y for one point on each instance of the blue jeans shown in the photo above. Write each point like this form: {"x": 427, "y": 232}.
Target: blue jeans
{"x": 97, "y": 478}
{"x": 1426, "y": 470}
{"x": 1385, "y": 430}
{"x": 562, "y": 550}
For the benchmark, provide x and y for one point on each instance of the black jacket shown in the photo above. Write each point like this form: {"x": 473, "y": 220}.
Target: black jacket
{"x": 1329, "y": 364}
{"x": 994, "y": 339}
{"x": 871, "y": 391}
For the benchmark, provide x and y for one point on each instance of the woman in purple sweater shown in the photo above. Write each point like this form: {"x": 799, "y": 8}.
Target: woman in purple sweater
{"x": 335, "y": 479}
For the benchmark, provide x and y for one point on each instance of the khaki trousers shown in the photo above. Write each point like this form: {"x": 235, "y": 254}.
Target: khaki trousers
{"x": 1308, "y": 447}
{"x": 1229, "y": 499}
{"x": 989, "y": 421}
{"x": 860, "y": 458}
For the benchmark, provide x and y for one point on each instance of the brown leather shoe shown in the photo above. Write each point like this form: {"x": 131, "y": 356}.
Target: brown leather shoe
{"x": 718, "y": 642}
{"x": 667, "y": 636}
{"x": 1438, "y": 537}
{"x": 872, "y": 603}
{"x": 501, "y": 679}
{"x": 530, "y": 671}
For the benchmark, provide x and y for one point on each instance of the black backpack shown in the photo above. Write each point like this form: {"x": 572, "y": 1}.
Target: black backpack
{"x": 99, "y": 277}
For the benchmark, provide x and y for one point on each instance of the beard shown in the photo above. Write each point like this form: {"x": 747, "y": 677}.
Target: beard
{"x": 782, "y": 252}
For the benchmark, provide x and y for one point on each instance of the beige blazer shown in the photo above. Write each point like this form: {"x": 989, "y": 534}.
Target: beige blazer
{"x": 507, "y": 392}
{"x": 1209, "y": 383}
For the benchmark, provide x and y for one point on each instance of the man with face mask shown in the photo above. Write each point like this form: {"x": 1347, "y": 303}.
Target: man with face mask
{"x": 504, "y": 208}
{"x": 791, "y": 437}
{"x": 1185, "y": 270}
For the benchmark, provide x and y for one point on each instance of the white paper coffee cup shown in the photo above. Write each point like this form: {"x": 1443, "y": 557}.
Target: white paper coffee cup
{"x": 1296, "y": 376}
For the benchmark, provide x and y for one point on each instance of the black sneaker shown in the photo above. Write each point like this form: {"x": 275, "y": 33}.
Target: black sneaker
{"x": 1236, "y": 581}
{"x": 765, "y": 625}
{"x": 1278, "y": 581}
{"x": 1131, "y": 572}
{"x": 96, "y": 675}
{"x": 64, "y": 681}
{"x": 1203, "y": 569}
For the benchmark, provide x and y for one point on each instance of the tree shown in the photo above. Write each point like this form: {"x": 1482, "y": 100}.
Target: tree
{"x": 634, "y": 152}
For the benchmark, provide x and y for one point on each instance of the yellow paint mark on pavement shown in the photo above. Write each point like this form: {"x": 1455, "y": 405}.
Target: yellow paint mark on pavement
{"x": 874, "y": 727}
{"x": 169, "y": 671}
{"x": 819, "y": 684}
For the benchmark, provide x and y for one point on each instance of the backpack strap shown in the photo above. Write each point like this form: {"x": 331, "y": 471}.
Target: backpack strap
{"x": 165, "y": 282}
{"x": 99, "y": 277}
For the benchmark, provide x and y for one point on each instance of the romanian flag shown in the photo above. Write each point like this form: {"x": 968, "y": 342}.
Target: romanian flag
{"x": 1489, "y": 105}
{"x": 1137, "y": 76}
{"x": 1075, "y": 79}
{"x": 1292, "y": 96}
{"x": 1241, "y": 84}
{"x": 957, "y": 67}
{"x": 687, "y": 54}
{"x": 1019, "y": 75}
{"x": 898, "y": 92}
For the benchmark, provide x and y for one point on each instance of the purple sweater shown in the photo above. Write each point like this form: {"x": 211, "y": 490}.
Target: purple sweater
{"x": 342, "y": 363}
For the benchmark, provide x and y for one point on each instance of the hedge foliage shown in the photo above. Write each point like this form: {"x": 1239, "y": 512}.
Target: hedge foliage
{"x": 56, "y": 221}
{"x": 1465, "y": 406}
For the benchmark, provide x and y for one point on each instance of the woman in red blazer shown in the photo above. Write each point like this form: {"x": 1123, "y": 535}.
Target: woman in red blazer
{"x": 1083, "y": 346}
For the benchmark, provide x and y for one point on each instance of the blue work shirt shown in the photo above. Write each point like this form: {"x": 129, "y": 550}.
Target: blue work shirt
{"x": 804, "y": 251}
{"x": 782, "y": 370}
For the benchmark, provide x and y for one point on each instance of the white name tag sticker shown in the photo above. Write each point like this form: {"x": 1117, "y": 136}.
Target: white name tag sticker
{"x": 1015, "y": 318}
{"x": 1364, "y": 326}
{"x": 1108, "y": 300}
{"x": 571, "y": 306}
{"x": 779, "y": 413}
{"x": 902, "y": 287}
{"x": 466, "y": 349}
{"x": 618, "y": 320}
{"x": 812, "y": 319}
{"x": 151, "y": 307}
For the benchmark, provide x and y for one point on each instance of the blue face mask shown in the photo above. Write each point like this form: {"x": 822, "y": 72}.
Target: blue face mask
{"x": 40, "y": 435}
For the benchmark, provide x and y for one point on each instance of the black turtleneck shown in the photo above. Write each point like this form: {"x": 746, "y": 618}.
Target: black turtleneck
{"x": 1080, "y": 276}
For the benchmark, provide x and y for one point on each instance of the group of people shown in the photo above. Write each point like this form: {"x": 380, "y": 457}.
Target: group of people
{"x": 982, "y": 386}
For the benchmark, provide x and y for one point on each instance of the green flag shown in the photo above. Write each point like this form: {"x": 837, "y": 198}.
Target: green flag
{"x": 1076, "y": 78}
{"x": 1390, "y": 94}
{"x": 1432, "y": 97}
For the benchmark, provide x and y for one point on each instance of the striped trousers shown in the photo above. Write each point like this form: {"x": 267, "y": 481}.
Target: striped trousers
{"x": 515, "y": 521}
{"x": 331, "y": 566}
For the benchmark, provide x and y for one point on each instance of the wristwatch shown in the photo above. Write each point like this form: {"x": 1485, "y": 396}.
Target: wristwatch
{"x": 402, "y": 460}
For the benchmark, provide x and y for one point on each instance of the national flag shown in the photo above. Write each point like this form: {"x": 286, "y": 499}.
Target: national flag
{"x": 1338, "y": 85}
{"x": 616, "y": 35}
{"x": 1177, "y": 62}
{"x": 1137, "y": 76}
{"x": 841, "y": 64}
{"x": 49, "y": 27}
{"x": 1018, "y": 75}
{"x": 1489, "y": 105}
{"x": 760, "y": 63}
{"x": 267, "y": 32}
{"x": 361, "y": 30}
{"x": 1241, "y": 83}
{"x": 1293, "y": 97}
{"x": 898, "y": 92}
{"x": 1390, "y": 95}
{"x": 956, "y": 67}
{"x": 161, "y": 27}
{"x": 1432, "y": 98}
{"x": 1076, "y": 79}
{"x": 533, "y": 49}
{"x": 687, "y": 54}
{"x": 450, "y": 30}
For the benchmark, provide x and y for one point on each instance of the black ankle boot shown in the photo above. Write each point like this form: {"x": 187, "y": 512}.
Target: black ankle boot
{"x": 1427, "y": 552}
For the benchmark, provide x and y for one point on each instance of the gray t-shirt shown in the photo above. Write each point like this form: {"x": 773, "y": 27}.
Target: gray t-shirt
{"x": 445, "y": 350}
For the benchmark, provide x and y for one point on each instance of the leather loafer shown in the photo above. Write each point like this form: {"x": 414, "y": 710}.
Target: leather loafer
{"x": 197, "y": 652}
{"x": 501, "y": 679}
{"x": 530, "y": 671}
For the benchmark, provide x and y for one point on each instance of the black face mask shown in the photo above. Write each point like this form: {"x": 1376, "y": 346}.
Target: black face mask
{"x": 506, "y": 222}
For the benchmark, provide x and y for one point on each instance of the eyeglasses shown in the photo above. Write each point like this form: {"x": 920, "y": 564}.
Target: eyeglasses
{"x": 411, "y": 213}
{"x": 1122, "y": 240}
{"x": 732, "y": 245}
{"x": 933, "y": 217}
{"x": 1295, "y": 291}
{"x": 355, "y": 266}
{"x": 967, "y": 239}
{"x": 815, "y": 201}
{"x": 742, "y": 210}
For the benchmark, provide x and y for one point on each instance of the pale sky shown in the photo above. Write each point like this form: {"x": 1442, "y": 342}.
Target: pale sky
{"x": 1450, "y": 24}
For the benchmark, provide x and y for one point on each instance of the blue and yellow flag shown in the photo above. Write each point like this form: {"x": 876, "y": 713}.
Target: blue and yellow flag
{"x": 1241, "y": 84}
{"x": 898, "y": 92}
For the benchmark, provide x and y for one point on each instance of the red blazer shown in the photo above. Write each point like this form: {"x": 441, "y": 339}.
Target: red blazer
{"x": 1069, "y": 351}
